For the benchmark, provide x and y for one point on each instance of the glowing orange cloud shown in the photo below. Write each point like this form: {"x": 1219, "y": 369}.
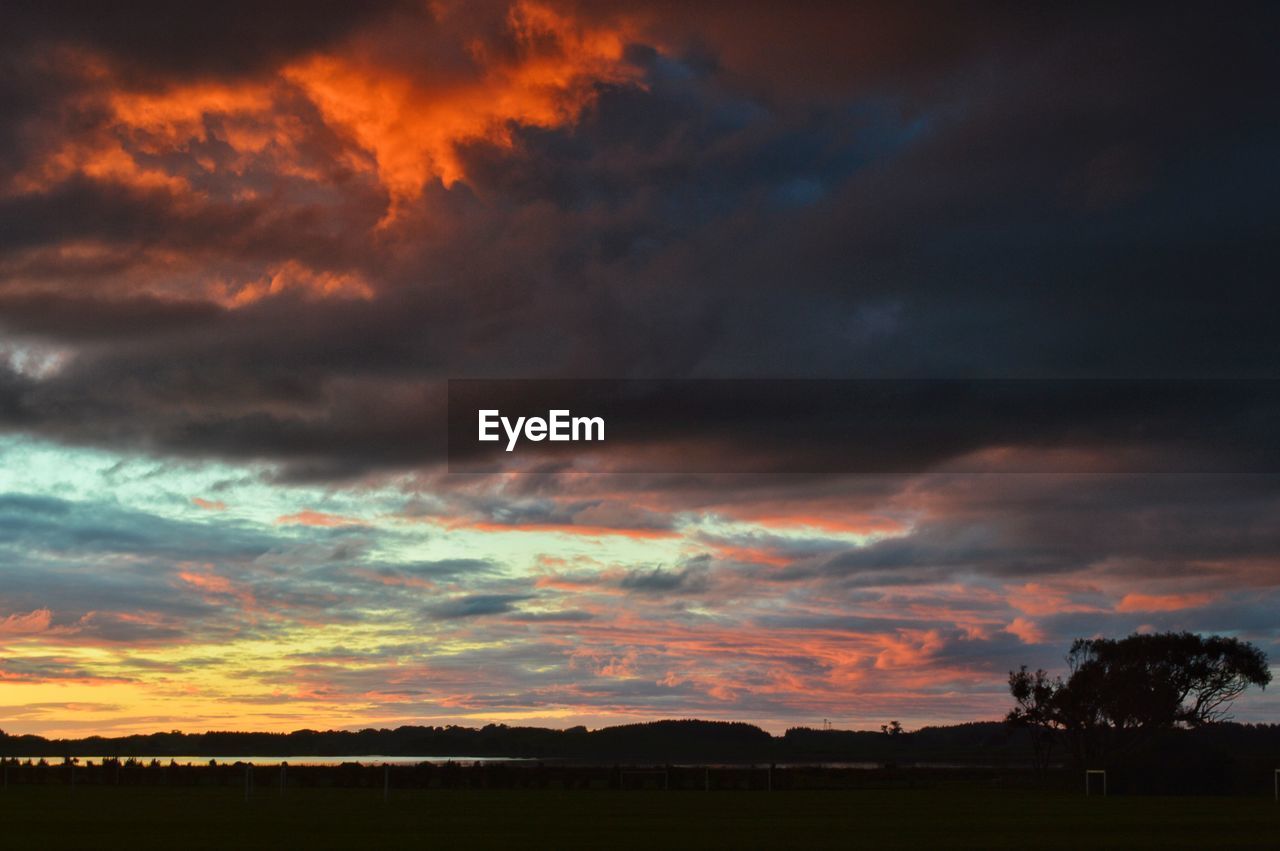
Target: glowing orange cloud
{"x": 413, "y": 130}
{"x": 1027, "y": 631}
{"x": 324, "y": 118}
{"x": 292, "y": 275}
{"x": 147, "y": 124}
{"x": 910, "y": 648}
{"x": 1161, "y": 602}
{"x": 151, "y": 142}
{"x": 209, "y": 504}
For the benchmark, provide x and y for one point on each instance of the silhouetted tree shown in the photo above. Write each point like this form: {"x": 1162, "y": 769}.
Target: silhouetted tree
{"x": 1035, "y": 708}
{"x": 1121, "y": 691}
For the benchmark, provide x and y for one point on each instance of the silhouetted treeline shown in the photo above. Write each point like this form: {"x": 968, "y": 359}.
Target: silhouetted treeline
{"x": 270, "y": 780}
{"x": 658, "y": 741}
{"x": 653, "y": 743}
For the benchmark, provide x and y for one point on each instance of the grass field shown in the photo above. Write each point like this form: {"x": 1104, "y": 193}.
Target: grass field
{"x": 58, "y": 817}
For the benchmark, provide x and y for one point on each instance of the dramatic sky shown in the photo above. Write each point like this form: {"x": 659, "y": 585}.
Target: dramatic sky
{"x": 243, "y": 246}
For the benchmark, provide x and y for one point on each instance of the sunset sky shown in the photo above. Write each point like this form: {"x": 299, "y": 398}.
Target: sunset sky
{"x": 242, "y": 249}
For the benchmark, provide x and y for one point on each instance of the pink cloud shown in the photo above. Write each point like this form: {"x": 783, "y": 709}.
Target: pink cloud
{"x": 1027, "y": 631}
{"x": 1161, "y": 602}
{"x": 26, "y": 624}
{"x": 1037, "y": 599}
{"x": 307, "y": 517}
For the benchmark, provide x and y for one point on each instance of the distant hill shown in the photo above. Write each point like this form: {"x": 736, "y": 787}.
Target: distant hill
{"x": 691, "y": 741}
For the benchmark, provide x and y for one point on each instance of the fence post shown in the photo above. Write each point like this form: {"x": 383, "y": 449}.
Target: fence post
{"x": 1089, "y": 772}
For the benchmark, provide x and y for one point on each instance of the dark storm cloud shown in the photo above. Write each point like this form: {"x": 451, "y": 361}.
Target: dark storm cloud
{"x": 1029, "y": 194}
{"x": 889, "y": 426}
{"x": 70, "y": 318}
{"x": 979, "y": 244}
{"x": 163, "y": 40}
{"x": 884, "y": 190}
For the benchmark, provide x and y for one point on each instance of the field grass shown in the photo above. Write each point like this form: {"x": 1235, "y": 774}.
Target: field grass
{"x": 157, "y": 817}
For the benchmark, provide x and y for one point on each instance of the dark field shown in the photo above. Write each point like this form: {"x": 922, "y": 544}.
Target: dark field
{"x": 83, "y": 817}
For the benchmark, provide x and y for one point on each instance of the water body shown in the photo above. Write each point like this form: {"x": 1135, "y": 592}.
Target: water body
{"x": 363, "y": 759}
{"x": 378, "y": 759}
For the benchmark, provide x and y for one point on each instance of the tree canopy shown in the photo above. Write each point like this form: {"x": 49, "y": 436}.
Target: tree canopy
{"x": 1124, "y": 688}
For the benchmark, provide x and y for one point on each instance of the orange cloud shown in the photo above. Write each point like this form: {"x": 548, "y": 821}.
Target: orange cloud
{"x": 1037, "y": 599}
{"x": 106, "y": 162}
{"x": 208, "y": 582}
{"x": 413, "y": 130}
{"x": 26, "y": 624}
{"x": 142, "y": 126}
{"x": 359, "y": 110}
{"x": 910, "y": 648}
{"x": 292, "y": 275}
{"x": 212, "y": 584}
{"x": 209, "y": 504}
{"x": 1027, "y": 631}
{"x": 1161, "y": 602}
{"x": 307, "y": 517}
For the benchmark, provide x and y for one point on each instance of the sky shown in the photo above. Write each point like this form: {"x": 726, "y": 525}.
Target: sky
{"x": 243, "y": 249}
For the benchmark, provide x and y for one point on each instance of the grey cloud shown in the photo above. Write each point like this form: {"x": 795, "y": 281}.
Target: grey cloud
{"x": 475, "y": 605}
{"x": 692, "y": 577}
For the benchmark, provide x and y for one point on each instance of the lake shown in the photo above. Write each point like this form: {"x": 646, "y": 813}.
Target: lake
{"x": 365, "y": 759}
